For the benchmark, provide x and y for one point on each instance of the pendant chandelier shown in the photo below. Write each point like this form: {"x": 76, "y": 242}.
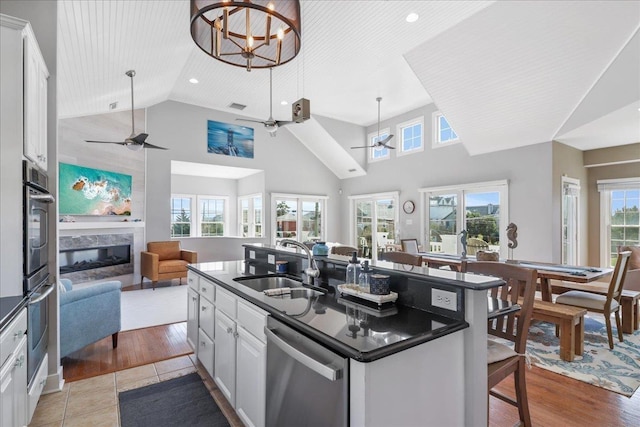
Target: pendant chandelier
{"x": 250, "y": 33}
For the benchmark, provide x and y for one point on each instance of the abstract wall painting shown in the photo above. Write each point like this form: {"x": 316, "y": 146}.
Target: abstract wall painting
{"x": 229, "y": 140}
{"x": 89, "y": 191}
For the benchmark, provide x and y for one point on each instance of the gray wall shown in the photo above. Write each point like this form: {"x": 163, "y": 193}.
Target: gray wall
{"x": 288, "y": 168}
{"x": 528, "y": 169}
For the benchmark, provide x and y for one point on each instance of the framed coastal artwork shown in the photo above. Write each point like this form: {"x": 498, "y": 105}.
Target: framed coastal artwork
{"x": 229, "y": 140}
{"x": 89, "y": 191}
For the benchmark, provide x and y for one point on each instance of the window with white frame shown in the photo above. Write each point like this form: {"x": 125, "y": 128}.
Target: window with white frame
{"x": 298, "y": 217}
{"x": 198, "y": 215}
{"x": 411, "y": 136}
{"x": 250, "y": 214}
{"x": 485, "y": 207}
{"x": 374, "y": 223}
{"x": 378, "y": 153}
{"x": 443, "y": 133}
{"x": 181, "y": 217}
{"x": 619, "y": 216}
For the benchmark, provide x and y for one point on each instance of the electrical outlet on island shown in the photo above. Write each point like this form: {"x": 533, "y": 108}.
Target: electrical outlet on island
{"x": 444, "y": 299}
{"x": 271, "y": 259}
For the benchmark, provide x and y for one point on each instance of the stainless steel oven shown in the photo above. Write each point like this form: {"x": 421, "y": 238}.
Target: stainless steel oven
{"x": 37, "y": 327}
{"x": 36, "y": 203}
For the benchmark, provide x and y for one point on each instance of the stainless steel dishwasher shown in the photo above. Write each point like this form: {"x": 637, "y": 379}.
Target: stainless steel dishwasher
{"x": 307, "y": 384}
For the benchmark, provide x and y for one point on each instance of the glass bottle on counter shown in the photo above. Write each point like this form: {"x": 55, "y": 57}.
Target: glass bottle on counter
{"x": 353, "y": 270}
{"x": 363, "y": 279}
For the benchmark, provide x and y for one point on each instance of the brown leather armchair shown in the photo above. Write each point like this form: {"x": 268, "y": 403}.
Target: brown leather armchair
{"x": 165, "y": 261}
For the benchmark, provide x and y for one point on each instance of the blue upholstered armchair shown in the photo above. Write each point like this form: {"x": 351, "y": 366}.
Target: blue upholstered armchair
{"x": 88, "y": 315}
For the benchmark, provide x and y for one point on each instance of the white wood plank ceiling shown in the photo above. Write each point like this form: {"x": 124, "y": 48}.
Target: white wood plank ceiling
{"x": 505, "y": 74}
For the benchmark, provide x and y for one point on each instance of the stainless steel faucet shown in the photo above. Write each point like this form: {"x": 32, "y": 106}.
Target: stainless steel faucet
{"x": 311, "y": 271}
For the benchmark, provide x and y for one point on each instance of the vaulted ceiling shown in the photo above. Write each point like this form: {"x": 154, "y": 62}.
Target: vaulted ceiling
{"x": 505, "y": 74}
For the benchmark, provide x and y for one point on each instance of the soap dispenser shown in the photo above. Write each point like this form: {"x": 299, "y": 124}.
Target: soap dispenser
{"x": 363, "y": 280}
{"x": 353, "y": 270}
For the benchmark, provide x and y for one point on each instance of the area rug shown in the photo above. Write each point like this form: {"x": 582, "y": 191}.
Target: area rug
{"x": 148, "y": 307}
{"x": 617, "y": 370}
{"x": 182, "y": 401}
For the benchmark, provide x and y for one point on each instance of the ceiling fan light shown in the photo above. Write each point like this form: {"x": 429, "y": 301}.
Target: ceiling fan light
{"x": 224, "y": 32}
{"x": 135, "y": 147}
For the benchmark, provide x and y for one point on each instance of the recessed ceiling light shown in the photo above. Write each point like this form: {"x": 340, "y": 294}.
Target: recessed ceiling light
{"x": 412, "y": 17}
{"x": 284, "y": 103}
{"x": 193, "y": 80}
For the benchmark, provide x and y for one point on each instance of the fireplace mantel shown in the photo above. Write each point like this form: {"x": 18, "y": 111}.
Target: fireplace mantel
{"x": 99, "y": 225}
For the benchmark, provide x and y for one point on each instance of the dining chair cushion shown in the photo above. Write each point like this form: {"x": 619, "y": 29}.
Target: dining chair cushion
{"x": 497, "y": 352}
{"x": 585, "y": 299}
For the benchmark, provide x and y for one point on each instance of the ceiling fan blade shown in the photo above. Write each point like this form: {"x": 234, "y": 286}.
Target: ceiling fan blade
{"x": 107, "y": 142}
{"x": 363, "y": 146}
{"x": 385, "y": 139}
{"x": 283, "y": 122}
{"x": 253, "y": 121}
{"x": 147, "y": 145}
{"x": 140, "y": 138}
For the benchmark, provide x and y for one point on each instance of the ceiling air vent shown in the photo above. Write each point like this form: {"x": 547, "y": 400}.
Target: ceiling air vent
{"x": 237, "y": 106}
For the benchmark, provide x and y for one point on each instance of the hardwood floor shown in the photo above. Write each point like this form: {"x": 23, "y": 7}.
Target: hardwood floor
{"x": 135, "y": 348}
{"x": 554, "y": 400}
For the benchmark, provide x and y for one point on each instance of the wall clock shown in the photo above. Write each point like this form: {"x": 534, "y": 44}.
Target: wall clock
{"x": 408, "y": 206}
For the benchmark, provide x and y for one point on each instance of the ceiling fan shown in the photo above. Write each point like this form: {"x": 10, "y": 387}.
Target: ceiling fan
{"x": 379, "y": 143}
{"x": 270, "y": 124}
{"x": 133, "y": 142}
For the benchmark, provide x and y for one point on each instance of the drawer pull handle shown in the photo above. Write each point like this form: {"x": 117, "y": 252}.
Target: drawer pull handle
{"x": 194, "y": 298}
{"x": 17, "y": 335}
{"x": 236, "y": 335}
{"x": 203, "y": 344}
{"x": 203, "y": 308}
{"x": 19, "y": 361}
{"x": 229, "y": 330}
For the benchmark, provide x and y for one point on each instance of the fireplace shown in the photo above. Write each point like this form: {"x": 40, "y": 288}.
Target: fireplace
{"x": 72, "y": 260}
{"x": 95, "y": 256}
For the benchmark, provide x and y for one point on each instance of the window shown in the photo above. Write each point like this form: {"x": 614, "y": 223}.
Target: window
{"x": 411, "y": 136}
{"x": 570, "y": 220}
{"x": 485, "y": 217}
{"x": 378, "y": 153}
{"x": 375, "y": 218}
{"x": 250, "y": 216}
{"x": 298, "y": 217}
{"x": 181, "y": 216}
{"x": 443, "y": 133}
{"x": 619, "y": 216}
{"x": 212, "y": 216}
{"x": 198, "y": 216}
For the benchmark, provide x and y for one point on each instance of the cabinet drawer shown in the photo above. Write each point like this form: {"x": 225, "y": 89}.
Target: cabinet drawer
{"x": 207, "y": 317}
{"x": 207, "y": 289}
{"x": 205, "y": 351}
{"x": 37, "y": 385}
{"x": 226, "y": 302}
{"x": 252, "y": 319}
{"x": 193, "y": 280}
{"x": 12, "y": 334}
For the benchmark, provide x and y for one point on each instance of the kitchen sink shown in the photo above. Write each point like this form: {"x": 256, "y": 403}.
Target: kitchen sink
{"x": 261, "y": 283}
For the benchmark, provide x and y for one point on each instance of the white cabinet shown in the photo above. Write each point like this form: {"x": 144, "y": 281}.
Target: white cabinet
{"x": 205, "y": 351}
{"x": 250, "y": 379}
{"x": 13, "y": 373}
{"x": 35, "y": 101}
{"x": 193, "y": 307}
{"x": 225, "y": 356}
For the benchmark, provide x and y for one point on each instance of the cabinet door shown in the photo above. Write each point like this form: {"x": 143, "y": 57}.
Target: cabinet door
{"x": 193, "y": 306}
{"x": 251, "y": 379}
{"x": 225, "y": 356}
{"x": 206, "y": 351}
{"x": 31, "y": 97}
{"x": 207, "y": 317}
{"x": 13, "y": 387}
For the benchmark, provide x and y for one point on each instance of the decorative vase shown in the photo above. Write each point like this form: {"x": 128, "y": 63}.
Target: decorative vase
{"x": 320, "y": 249}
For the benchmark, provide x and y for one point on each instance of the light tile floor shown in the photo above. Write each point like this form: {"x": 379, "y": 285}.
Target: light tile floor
{"x": 94, "y": 401}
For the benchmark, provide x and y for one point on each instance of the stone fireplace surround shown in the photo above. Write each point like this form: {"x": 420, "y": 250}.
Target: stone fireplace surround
{"x": 104, "y": 233}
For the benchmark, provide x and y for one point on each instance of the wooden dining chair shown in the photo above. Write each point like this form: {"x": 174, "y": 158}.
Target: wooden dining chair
{"x": 409, "y": 245}
{"x": 605, "y": 304}
{"x": 520, "y": 284}
{"x": 343, "y": 250}
{"x": 402, "y": 258}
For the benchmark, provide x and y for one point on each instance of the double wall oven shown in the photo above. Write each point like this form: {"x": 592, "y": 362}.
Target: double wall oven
{"x": 37, "y": 202}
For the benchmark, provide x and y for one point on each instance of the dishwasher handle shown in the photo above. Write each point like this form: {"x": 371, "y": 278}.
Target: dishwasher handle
{"x": 320, "y": 368}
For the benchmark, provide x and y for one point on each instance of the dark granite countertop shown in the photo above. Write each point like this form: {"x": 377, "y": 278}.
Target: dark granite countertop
{"x": 351, "y": 328}
{"x": 9, "y": 307}
{"x": 452, "y": 278}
